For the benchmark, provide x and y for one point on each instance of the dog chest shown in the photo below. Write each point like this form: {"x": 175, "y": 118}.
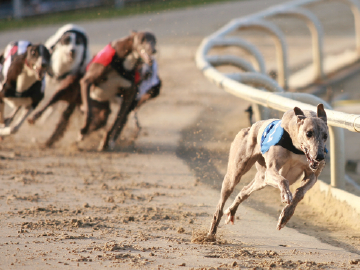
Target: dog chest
{"x": 107, "y": 89}
{"x": 26, "y": 79}
{"x": 294, "y": 167}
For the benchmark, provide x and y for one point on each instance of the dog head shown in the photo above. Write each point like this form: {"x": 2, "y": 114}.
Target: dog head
{"x": 68, "y": 54}
{"x": 38, "y": 58}
{"x": 144, "y": 44}
{"x": 72, "y": 46}
{"x": 309, "y": 131}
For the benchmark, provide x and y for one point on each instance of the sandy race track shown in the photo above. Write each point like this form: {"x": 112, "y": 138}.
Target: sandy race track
{"x": 148, "y": 204}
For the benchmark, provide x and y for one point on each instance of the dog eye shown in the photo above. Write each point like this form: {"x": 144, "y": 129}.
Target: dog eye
{"x": 309, "y": 134}
{"x": 79, "y": 40}
{"x": 325, "y": 137}
{"x": 66, "y": 40}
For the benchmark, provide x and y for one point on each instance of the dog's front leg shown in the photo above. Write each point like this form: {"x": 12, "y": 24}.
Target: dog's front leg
{"x": 27, "y": 111}
{"x": 307, "y": 183}
{"x": 67, "y": 91}
{"x": 289, "y": 209}
{"x": 8, "y": 120}
{"x": 273, "y": 178}
{"x": 93, "y": 75}
{"x": 2, "y": 113}
{"x": 85, "y": 99}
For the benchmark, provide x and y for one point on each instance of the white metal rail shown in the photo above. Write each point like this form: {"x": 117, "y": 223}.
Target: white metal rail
{"x": 237, "y": 83}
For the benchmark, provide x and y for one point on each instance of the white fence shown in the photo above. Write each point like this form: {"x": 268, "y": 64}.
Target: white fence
{"x": 238, "y": 83}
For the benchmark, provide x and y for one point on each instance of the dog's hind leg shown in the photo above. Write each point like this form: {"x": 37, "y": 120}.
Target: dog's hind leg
{"x": 243, "y": 155}
{"x": 256, "y": 184}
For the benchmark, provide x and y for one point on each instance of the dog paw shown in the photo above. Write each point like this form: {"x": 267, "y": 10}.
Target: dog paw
{"x": 230, "y": 218}
{"x": 14, "y": 130}
{"x": 286, "y": 197}
{"x": 80, "y": 137}
{"x": 112, "y": 144}
{"x": 31, "y": 121}
{"x": 211, "y": 237}
{"x": 285, "y": 216}
{"x": 103, "y": 146}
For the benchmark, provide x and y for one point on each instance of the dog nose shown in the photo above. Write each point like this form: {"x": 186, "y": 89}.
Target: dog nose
{"x": 320, "y": 157}
{"x": 44, "y": 65}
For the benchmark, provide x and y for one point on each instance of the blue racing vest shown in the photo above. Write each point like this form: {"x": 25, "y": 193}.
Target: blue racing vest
{"x": 274, "y": 134}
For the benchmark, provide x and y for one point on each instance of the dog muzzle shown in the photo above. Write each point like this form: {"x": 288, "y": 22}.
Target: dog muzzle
{"x": 313, "y": 163}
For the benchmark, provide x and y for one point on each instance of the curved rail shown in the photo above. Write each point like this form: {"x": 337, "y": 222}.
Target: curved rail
{"x": 237, "y": 83}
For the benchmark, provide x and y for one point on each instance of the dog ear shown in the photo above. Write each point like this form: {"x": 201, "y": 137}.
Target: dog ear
{"x": 321, "y": 112}
{"x": 300, "y": 114}
{"x": 135, "y": 36}
{"x": 298, "y": 111}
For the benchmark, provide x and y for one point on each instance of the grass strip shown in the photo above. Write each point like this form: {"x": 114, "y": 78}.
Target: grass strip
{"x": 106, "y": 12}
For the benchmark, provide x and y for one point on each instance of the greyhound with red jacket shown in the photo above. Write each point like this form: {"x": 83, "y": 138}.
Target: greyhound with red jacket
{"x": 111, "y": 73}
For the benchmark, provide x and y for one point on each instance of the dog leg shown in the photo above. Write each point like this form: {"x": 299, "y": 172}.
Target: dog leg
{"x": 55, "y": 98}
{"x": 138, "y": 127}
{"x": 68, "y": 91}
{"x": 256, "y": 184}
{"x": 120, "y": 121}
{"x": 307, "y": 183}
{"x": 8, "y": 120}
{"x": 21, "y": 120}
{"x": 62, "y": 125}
{"x": 273, "y": 178}
{"x": 85, "y": 99}
{"x": 93, "y": 74}
{"x": 241, "y": 158}
{"x": 2, "y": 113}
{"x": 289, "y": 209}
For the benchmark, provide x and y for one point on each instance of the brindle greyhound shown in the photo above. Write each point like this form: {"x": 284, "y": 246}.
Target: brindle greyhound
{"x": 298, "y": 151}
{"x": 23, "y": 67}
{"x": 112, "y": 73}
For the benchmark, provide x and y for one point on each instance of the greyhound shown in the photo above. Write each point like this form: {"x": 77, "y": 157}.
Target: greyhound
{"x": 70, "y": 54}
{"x": 23, "y": 67}
{"x": 283, "y": 150}
{"x": 112, "y": 72}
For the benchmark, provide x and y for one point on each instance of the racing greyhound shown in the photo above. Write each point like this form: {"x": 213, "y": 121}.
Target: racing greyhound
{"x": 70, "y": 54}
{"x": 283, "y": 150}
{"x": 112, "y": 73}
{"x": 22, "y": 67}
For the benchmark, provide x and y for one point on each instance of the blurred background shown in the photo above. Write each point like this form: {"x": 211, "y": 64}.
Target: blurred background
{"x": 25, "y": 8}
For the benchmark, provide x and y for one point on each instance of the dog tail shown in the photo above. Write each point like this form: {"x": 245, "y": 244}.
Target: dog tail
{"x": 61, "y": 126}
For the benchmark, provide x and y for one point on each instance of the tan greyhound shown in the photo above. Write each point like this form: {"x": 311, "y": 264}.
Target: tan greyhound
{"x": 284, "y": 151}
